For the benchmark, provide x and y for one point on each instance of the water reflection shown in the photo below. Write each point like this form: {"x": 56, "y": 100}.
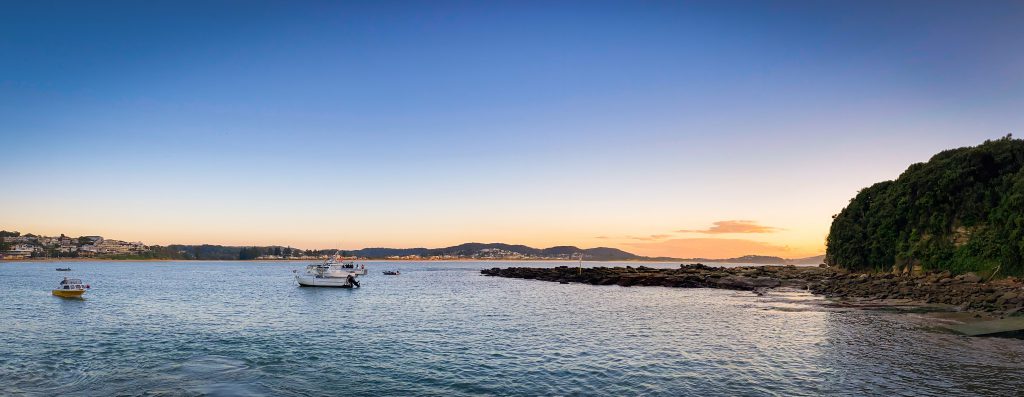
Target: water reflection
{"x": 441, "y": 328}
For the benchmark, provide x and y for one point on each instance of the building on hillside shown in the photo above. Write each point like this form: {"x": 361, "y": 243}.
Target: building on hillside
{"x": 117, "y": 247}
{"x": 18, "y": 239}
{"x": 87, "y": 250}
{"x": 67, "y": 244}
{"x": 19, "y": 251}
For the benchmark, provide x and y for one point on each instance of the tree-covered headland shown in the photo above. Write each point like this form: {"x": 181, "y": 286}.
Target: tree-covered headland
{"x": 961, "y": 211}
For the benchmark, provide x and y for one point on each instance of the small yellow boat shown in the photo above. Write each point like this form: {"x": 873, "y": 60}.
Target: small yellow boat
{"x": 71, "y": 288}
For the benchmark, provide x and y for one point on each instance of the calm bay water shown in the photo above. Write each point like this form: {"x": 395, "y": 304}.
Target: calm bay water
{"x": 230, "y": 328}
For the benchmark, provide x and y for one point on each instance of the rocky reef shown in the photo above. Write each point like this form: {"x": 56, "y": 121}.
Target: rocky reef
{"x": 966, "y": 292}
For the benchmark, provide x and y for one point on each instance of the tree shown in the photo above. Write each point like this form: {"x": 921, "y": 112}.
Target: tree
{"x": 248, "y": 253}
{"x": 963, "y": 210}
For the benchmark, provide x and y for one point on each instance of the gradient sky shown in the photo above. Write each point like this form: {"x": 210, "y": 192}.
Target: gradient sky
{"x": 664, "y": 128}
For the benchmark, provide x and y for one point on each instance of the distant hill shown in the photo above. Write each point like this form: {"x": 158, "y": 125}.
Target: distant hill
{"x": 510, "y": 251}
{"x": 498, "y": 251}
{"x": 811, "y": 260}
{"x": 756, "y": 259}
{"x": 481, "y": 251}
{"x": 764, "y": 260}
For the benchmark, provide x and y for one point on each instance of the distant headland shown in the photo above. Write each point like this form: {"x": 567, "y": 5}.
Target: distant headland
{"x": 14, "y": 245}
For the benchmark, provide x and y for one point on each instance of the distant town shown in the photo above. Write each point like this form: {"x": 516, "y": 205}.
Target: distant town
{"x": 17, "y": 246}
{"x": 14, "y": 245}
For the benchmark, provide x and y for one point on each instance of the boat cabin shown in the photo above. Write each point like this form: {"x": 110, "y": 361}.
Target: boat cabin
{"x": 71, "y": 284}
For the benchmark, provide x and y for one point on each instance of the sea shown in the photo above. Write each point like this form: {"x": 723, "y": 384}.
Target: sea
{"x": 442, "y": 329}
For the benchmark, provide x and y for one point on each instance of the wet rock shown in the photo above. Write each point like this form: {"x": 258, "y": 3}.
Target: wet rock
{"x": 743, "y": 282}
{"x": 967, "y": 291}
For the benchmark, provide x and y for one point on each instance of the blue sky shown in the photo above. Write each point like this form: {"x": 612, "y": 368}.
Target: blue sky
{"x": 431, "y": 123}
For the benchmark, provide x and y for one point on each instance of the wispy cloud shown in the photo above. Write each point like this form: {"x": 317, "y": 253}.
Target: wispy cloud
{"x": 725, "y": 227}
{"x": 602, "y": 237}
{"x": 653, "y": 237}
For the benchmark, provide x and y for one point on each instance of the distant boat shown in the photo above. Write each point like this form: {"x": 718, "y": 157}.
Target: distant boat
{"x": 70, "y": 288}
{"x": 392, "y": 273}
{"x": 331, "y": 273}
{"x": 62, "y": 269}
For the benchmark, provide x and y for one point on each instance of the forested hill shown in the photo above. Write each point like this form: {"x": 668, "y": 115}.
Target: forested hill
{"x": 963, "y": 210}
{"x": 499, "y": 250}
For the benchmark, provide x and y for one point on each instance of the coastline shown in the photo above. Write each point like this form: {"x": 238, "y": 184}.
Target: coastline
{"x": 927, "y": 292}
{"x": 29, "y": 260}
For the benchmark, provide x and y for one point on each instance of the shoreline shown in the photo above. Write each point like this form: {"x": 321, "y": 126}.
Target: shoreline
{"x": 932, "y": 292}
{"x": 44, "y": 260}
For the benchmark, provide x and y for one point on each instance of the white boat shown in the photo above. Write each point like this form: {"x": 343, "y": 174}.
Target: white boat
{"x": 331, "y": 273}
{"x": 70, "y": 288}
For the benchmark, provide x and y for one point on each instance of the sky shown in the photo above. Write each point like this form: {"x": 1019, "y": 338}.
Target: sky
{"x": 685, "y": 129}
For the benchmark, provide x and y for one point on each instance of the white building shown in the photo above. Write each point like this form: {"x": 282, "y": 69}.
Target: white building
{"x": 87, "y": 249}
{"x": 117, "y": 247}
{"x": 19, "y": 251}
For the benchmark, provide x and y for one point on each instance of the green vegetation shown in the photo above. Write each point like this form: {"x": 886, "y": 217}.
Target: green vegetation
{"x": 4, "y": 246}
{"x": 249, "y": 253}
{"x": 961, "y": 211}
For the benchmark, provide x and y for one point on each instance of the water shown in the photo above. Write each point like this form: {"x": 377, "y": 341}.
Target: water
{"x": 230, "y": 328}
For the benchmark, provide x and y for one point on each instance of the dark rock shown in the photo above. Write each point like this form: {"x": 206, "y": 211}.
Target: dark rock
{"x": 970, "y": 278}
{"x": 967, "y": 291}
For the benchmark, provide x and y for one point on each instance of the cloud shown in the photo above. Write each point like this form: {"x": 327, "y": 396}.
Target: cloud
{"x": 707, "y": 247}
{"x": 723, "y": 227}
{"x": 602, "y": 237}
{"x": 653, "y": 237}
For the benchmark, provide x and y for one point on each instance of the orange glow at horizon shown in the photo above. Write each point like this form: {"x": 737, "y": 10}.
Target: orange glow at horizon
{"x": 307, "y": 236}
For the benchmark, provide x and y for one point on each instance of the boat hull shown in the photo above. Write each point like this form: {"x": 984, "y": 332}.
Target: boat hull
{"x": 68, "y": 293}
{"x": 310, "y": 281}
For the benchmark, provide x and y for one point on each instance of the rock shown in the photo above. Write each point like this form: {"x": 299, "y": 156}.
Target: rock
{"x": 970, "y": 278}
{"x": 748, "y": 283}
{"x": 695, "y": 266}
{"x": 967, "y": 291}
{"x": 1004, "y": 298}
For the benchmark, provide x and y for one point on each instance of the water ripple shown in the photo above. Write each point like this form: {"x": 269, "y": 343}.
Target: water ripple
{"x": 442, "y": 329}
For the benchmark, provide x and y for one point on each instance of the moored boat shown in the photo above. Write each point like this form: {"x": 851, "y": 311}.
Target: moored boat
{"x": 392, "y": 272}
{"x": 63, "y": 269}
{"x": 70, "y": 288}
{"x": 331, "y": 273}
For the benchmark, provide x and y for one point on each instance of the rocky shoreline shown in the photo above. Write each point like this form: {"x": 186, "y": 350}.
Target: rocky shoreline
{"x": 966, "y": 292}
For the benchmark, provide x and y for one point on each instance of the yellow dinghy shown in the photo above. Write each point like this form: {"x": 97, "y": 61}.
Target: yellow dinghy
{"x": 70, "y": 288}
